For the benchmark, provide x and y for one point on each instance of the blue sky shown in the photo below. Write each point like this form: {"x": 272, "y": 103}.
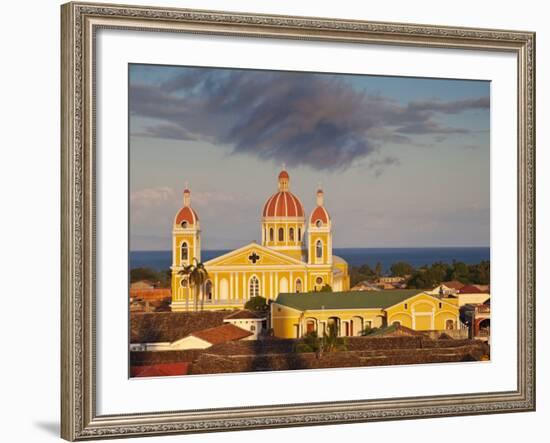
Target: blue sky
{"x": 403, "y": 161}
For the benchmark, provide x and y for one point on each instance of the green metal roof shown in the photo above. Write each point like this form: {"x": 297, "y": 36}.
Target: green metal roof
{"x": 345, "y": 300}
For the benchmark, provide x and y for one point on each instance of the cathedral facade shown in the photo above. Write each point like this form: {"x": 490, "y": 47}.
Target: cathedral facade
{"x": 295, "y": 255}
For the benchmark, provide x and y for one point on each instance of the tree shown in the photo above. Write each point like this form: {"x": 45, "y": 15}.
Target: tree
{"x": 326, "y": 288}
{"x": 162, "y": 277}
{"x": 361, "y": 273}
{"x": 368, "y": 330}
{"x": 460, "y": 272}
{"x": 138, "y": 274}
{"x": 258, "y": 304}
{"x": 196, "y": 274}
{"x": 378, "y": 269}
{"x": 329, "y": 342}
{"x": 400, "y": 269}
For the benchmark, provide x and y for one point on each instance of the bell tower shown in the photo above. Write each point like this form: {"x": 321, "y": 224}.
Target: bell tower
{"x": 320, "y": 233}
{"x": 186, "y": 248}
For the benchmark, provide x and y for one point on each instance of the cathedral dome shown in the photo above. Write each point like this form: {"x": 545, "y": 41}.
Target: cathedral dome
{"x": 186, "y": 214}
{"x": 319, "y": 216}
{"x": 283, "y": 203}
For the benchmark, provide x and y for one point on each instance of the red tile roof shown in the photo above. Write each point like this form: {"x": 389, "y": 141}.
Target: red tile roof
{"x": 454, "y": 284}
{"x": 221, "y": 334}
{"x": 283, "y": 174}
{"x": 187, "y": 214}
{"x": 470, "y": 289}
{"x": 319, "y": 213}
{"x": 159, "y": 370}
{"x": 283, "y": 204}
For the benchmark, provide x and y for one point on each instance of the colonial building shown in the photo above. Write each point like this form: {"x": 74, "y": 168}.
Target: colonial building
{"x": 295, "y": 255}
{"x": 349, "y": 313}
{"x": 254, "y": 322}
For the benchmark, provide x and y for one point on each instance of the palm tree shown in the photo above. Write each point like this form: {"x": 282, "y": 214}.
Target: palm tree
{"x": 197, "y": 275}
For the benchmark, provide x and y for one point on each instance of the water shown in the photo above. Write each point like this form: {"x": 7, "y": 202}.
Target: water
{"x": 161, "y": 260}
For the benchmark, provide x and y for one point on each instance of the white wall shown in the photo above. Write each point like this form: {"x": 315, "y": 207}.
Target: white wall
{"x": 29, "y": 180}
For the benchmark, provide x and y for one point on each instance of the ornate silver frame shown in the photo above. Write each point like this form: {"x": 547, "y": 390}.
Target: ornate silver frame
{"x": 80, "y": 21}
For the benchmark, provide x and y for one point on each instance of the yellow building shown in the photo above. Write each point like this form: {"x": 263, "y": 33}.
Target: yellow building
{"x": 283, "y": 262}
{"x": 294, "y": 315}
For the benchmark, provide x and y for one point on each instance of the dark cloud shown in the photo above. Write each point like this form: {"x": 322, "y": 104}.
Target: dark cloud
{"x": 453, "y": 107}
{"x": 430, "y": 127}
{"x": 307, "y": 119}
{"x": 379, "y": 165}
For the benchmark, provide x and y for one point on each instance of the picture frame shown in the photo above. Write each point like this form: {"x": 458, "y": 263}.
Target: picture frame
{"x": 80, "y": 24}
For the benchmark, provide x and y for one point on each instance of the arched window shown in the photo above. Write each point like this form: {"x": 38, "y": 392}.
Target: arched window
{"x": 208, "y": 290}
{"x": 318, "y": 223}
{"x": 254, "y": 287}
{"x": 299, "y": 234}
{"x": 184, "y": 224}
{"x": 184, "y": 251}
{"x": 271, "y": 235}
{"x": 281, "y": 234}
{"x": 291, "y": 234}
{"x": 319, "y": 249}
{"x": 183, "y": 282}
{"x": 298, "y": 285}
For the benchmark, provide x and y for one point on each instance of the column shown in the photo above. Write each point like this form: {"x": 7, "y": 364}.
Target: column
{"x": 216, "y": 295}
{"x": 291, "y": 286}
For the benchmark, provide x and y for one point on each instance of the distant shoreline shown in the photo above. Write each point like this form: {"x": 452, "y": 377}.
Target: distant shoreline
{"x": 416, "y": 256}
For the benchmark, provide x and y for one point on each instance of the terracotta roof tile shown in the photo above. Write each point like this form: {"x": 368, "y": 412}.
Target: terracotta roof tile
{"x": 160, "y": 370}
{"x": 319, "y": 213}
{"x": 187, "y": 214}
{"x": 283, "y": 204}
{"x": 221, "y": 334}
{"x": 470, "y": 289}
{"x": 453, "y": 284}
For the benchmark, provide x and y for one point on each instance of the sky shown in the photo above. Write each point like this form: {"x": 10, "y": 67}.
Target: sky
{"x": 404, "y": 162}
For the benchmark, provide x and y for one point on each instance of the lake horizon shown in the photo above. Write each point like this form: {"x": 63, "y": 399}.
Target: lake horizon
{"x": 355, "y": 256}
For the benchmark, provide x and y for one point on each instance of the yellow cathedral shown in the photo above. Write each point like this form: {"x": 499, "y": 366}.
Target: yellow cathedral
{"x": 295, "y": 255}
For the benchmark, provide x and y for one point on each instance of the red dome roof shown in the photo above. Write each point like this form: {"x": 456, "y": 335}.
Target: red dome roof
{"x": 187, "y": 214}
{"x": 319, "y": 213}
{"x": 283, "y": 174}
{"x": 283, "y": 204}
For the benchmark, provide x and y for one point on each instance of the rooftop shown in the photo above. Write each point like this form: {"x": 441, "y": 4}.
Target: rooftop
{"x": 245, "y": 314}
{"x": 221, "y": 334}
{"x": 453, "y": 284}
{"x": 345, "y": 300}
{"x": 470, "y": 289}
{"x": 170, "y": 326}
{"x": 160, "y": 369}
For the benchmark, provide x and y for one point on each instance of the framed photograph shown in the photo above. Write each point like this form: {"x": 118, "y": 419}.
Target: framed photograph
{"x": 283, "y": 221}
